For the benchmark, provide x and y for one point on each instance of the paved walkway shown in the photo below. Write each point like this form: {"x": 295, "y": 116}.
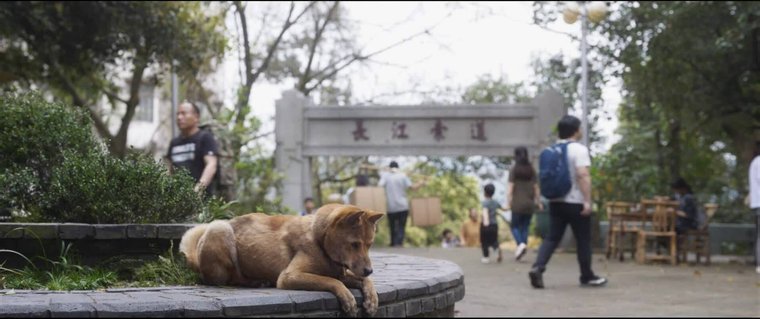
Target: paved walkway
{"x": 499, "y": 290}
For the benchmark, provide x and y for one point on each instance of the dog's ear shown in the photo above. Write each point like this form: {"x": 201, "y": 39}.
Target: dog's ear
{"x": 373, "y": 217}
{"x": 352, "y": 218}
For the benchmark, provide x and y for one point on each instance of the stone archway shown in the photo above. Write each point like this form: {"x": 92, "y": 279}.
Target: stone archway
{"x": 303, "y": 130}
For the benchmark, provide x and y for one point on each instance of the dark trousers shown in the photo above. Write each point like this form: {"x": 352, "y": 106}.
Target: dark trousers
{"x": 397, "y": 223}
{"x": 560, "y": 215}
{"x": 489, "y": 238}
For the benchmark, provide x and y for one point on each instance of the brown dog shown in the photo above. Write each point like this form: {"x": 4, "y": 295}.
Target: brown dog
{"x": 325, "y": 251}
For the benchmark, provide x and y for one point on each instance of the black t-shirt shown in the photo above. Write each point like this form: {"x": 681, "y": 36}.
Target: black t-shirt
{"x": 188, "y": 153}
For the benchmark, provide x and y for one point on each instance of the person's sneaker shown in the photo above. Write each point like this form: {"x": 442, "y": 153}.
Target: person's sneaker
{"x": 520, "y": 252}
{"x": 536, "y": 279}
{"x": 757, "y": 270}
{"x": 595, "y": 282}
{"x": 485, "y": 260}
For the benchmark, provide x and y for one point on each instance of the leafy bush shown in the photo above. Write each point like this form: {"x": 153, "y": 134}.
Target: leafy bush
{"x": 54, "y": 168}
{"x": 97, "y": 188}
{"x": 34, "y": 132}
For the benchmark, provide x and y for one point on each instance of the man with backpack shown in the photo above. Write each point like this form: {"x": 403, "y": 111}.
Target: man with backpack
{"x": 565, "y": 180}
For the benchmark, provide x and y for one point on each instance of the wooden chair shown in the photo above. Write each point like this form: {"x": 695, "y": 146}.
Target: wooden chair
{"x": 621, "y": 235}
{"x": 698, "y": 240}
{"x": 663, "y": 222}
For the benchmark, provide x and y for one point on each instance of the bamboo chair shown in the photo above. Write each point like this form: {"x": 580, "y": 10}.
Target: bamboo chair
{"x": 621, "y": 235}
{"x": 698, "y": 240}
{"x": 663, "y": 222}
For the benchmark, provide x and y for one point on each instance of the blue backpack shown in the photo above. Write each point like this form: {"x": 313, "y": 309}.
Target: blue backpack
{"x": 554, "y": 174}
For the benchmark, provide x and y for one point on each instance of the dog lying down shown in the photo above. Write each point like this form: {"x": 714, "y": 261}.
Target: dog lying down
{"x": 325, "y": 251}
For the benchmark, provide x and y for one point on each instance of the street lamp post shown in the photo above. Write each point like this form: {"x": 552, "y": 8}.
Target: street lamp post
{"x": 595, "y": 12}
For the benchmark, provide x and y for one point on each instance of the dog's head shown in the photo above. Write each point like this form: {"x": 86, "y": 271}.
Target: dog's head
{"x": 349, "y": 235}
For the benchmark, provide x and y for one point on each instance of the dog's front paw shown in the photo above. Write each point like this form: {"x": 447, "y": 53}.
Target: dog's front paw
{"x": 348, "y": 303}
{"x": 370, "y": 301}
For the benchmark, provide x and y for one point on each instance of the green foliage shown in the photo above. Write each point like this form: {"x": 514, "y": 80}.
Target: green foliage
{"x": 168, "y": 270}
{"x": 564, "y": 75}
{"x": 33, "y": 135}
{"x": 63, "y": 274}
{"x": 495, "y": 91}
{"x": 690, "y": 98}
{"x": 81, "y": 50}
{"x": 33, "y": 131}
{"x": 257, "y": 176}
{"x": 82, "y": 38}
{"x": 458, "y": 194}
{"x": 98, "y": 188}
{"x": 56, "y": 171}
{"x": 383, "y": 233}
{"x": 217, "y": 208}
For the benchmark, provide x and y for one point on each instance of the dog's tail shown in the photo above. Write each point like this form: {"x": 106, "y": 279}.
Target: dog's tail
{"x": 189, "y": 245}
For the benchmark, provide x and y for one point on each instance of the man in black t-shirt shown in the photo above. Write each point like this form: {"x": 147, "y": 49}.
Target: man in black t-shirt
{"x": 194, "y": 149}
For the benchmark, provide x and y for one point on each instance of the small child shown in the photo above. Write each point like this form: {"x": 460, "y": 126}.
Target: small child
{"x": 449, "y": 239}
{"x": 489, "y": 228}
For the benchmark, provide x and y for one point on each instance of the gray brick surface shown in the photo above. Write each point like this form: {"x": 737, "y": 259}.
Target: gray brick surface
{"x": 413, "y": 307}
{"x": 172, "y": 231}
{"x": 110, "y": 231}
{"x": 11, "y": 230}
{"x": 42, "y": 230}
{"x": 256, "y": 304}
{"x": 71, "y": 306}
{"x": 76, "y": 231}
{"x": 142, "y": 231}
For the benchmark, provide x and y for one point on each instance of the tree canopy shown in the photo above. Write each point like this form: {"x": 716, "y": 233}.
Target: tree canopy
{"x": 691, "y": 95}
{"x": 88, "y": 51}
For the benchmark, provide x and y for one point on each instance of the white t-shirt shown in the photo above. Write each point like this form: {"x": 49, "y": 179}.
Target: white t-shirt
{"x": 754, "y": 183}
{"x": 395, "y": 184}
{"x": 577, "y": 156}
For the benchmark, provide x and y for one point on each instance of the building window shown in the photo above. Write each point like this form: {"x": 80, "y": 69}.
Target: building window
{"x": 144, "y": 110}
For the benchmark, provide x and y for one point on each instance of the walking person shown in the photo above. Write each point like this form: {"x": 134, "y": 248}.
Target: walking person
{"x": 396, "y": 184}
{"x": 524, "y": 197}
{"x": 754, "y": 200}
{"x": 194, "y": 150}
{"x": 489, "y": 228}
{"x": 566, "y": 181}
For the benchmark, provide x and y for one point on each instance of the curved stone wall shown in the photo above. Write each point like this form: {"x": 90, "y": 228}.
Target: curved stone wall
{"x": 407, "y": 286}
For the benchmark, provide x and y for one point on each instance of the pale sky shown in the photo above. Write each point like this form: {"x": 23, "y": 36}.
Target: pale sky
{"x": 466, "y": 41}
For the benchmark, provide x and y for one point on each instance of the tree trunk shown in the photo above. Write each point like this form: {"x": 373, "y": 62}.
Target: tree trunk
{"x": 675, "y": 148}
{"x": 118, "y": 146}
{"x": 661, "y": 172}
{"x": 744, "y": 145}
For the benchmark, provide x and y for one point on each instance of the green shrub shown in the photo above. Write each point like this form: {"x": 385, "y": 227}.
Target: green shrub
{"x": 168, "y": 270}
{"x": 97, "y": 188}
{"x": 57, "y": 171}
{"x": 34, "y": 132}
